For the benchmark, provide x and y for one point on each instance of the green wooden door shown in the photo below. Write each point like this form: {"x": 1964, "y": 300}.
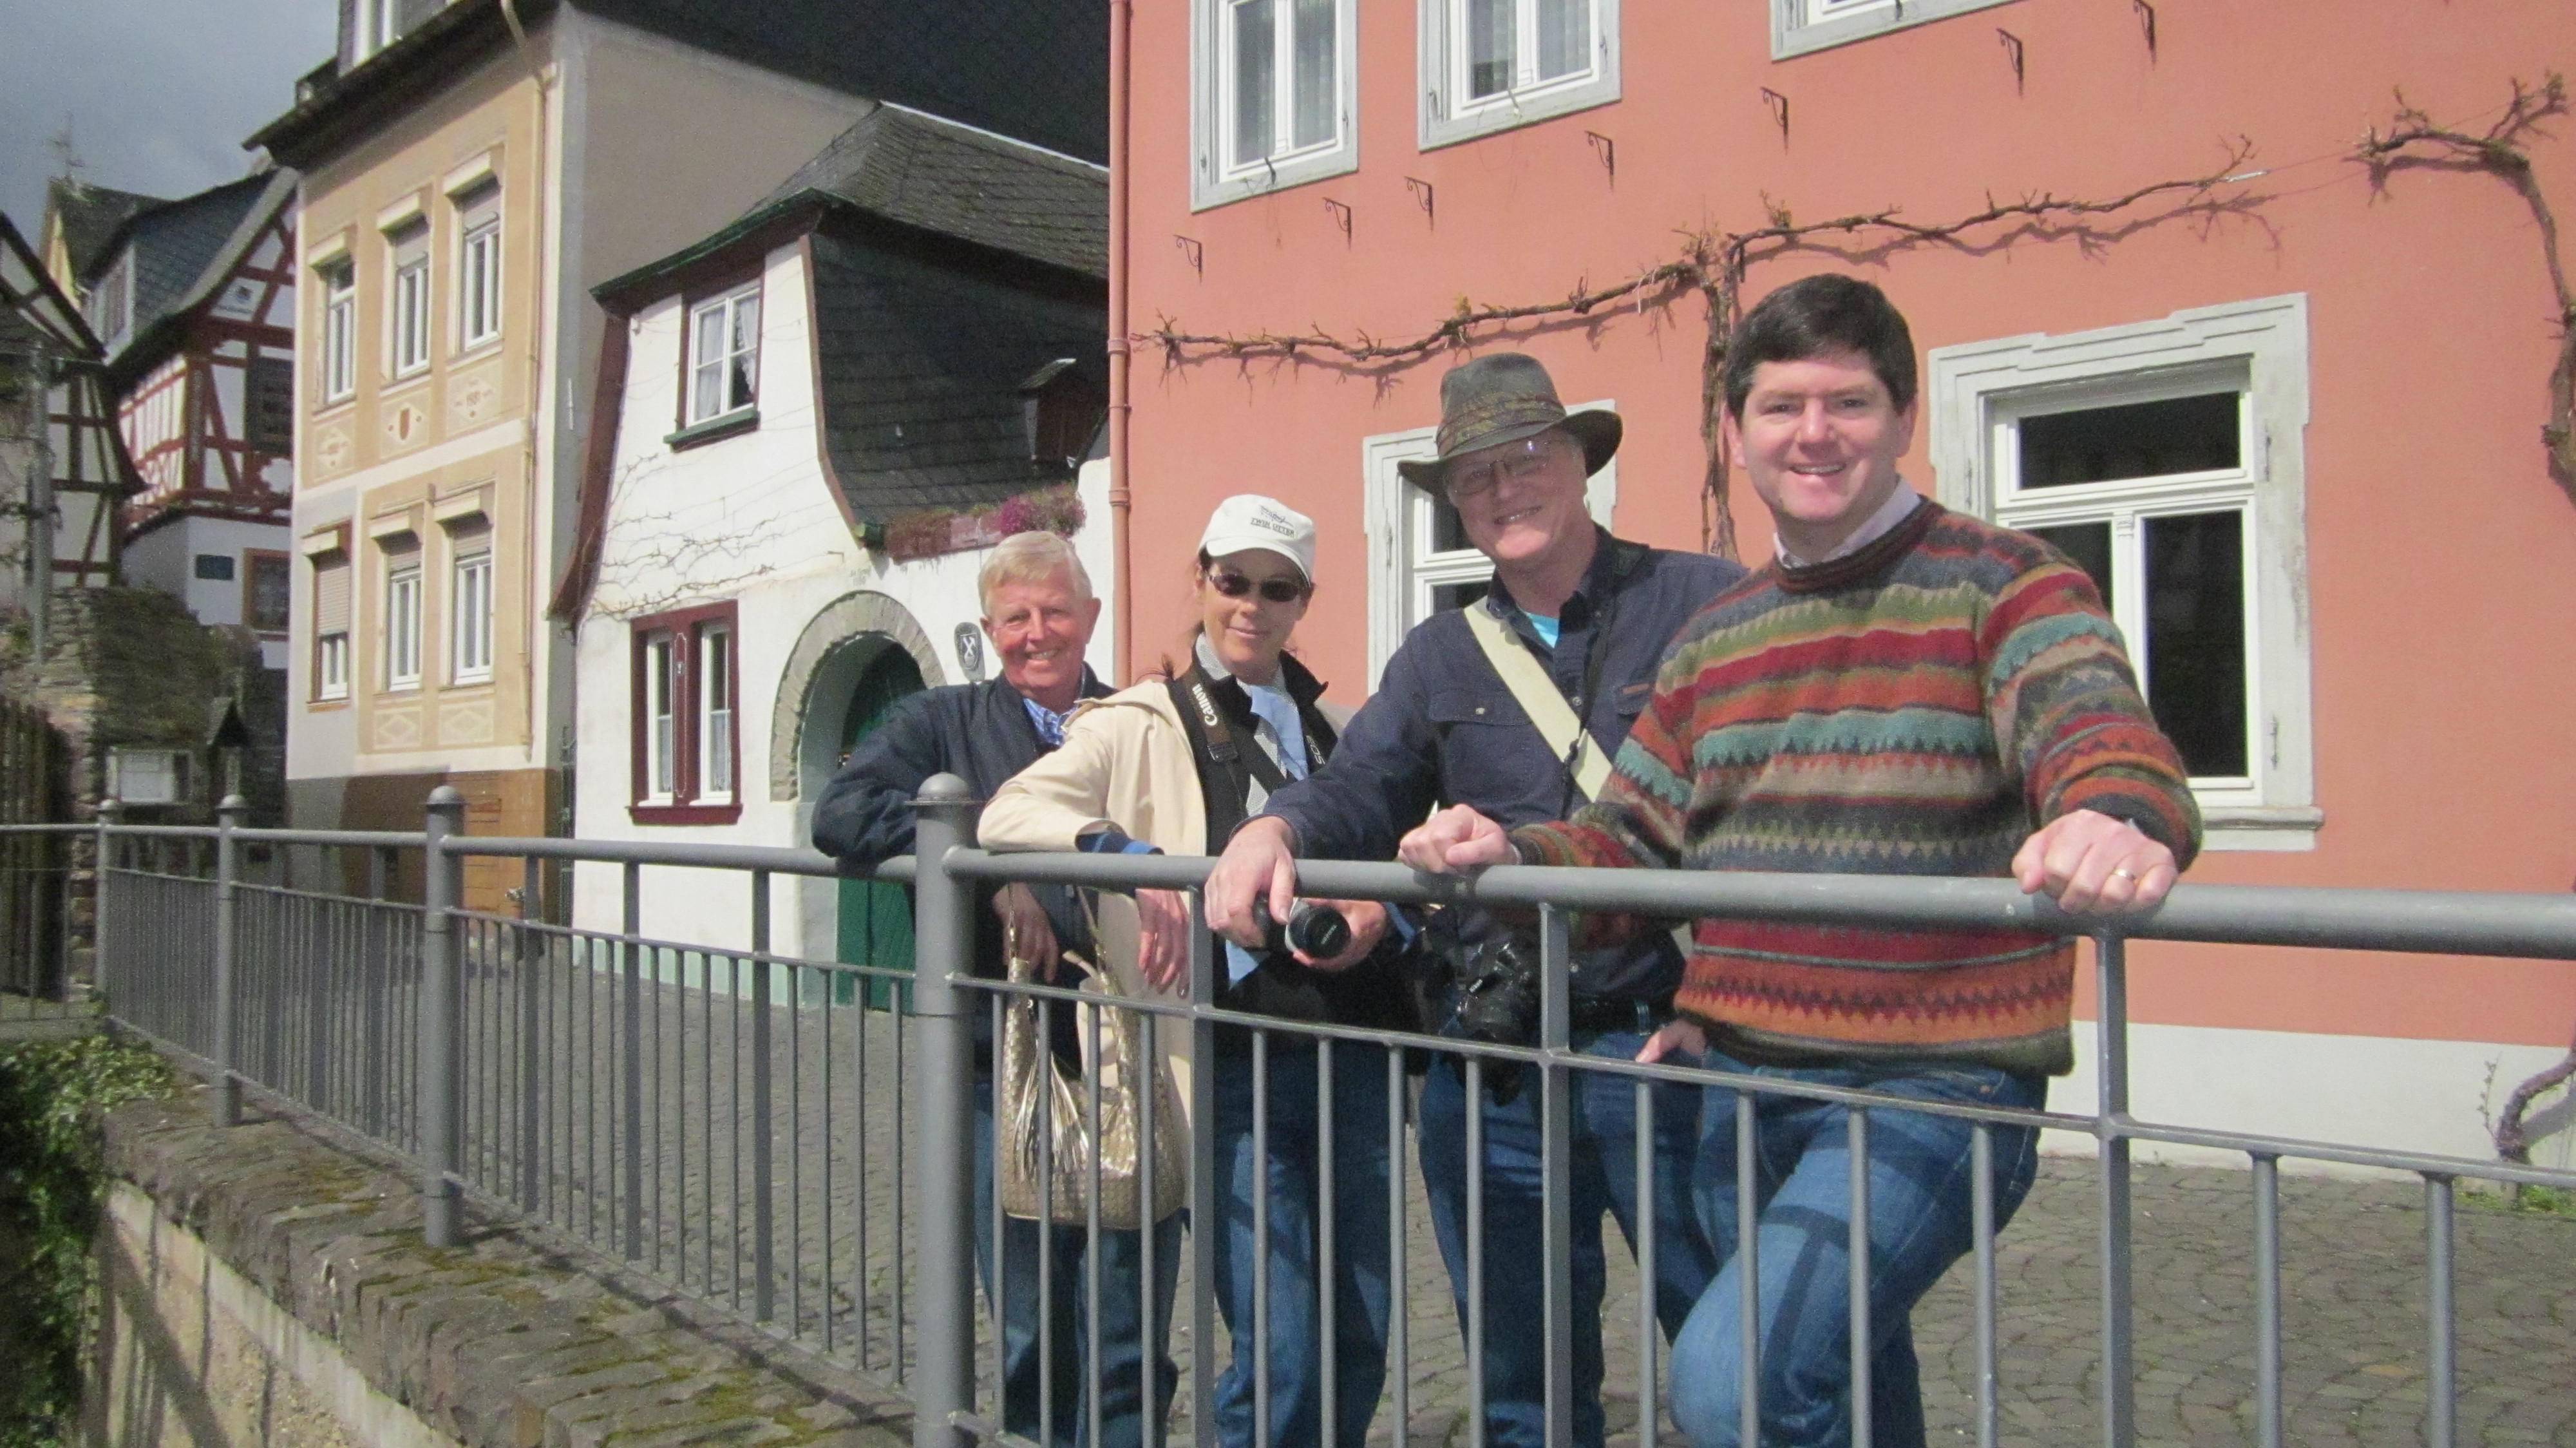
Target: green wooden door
{"x": 876, "y": 918}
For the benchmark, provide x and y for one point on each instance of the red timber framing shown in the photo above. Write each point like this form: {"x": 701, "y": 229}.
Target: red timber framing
{"x": 189, "y": 421}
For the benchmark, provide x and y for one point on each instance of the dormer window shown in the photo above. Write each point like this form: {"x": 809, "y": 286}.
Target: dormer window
{"x": 111, "y": 302}
{"x": 379, "y": 23}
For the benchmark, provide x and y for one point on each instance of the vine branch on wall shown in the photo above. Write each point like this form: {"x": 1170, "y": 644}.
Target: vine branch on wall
{"x": 1713, "y": 265}
{"x": 2413, "y": 139}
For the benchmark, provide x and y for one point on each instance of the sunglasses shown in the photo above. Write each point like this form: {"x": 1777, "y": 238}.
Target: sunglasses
{"x": 1273, "y": 590}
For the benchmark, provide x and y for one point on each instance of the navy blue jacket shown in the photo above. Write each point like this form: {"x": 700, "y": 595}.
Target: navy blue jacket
{"x": 981, "y": 733}
{"x": 1443, "y": 729}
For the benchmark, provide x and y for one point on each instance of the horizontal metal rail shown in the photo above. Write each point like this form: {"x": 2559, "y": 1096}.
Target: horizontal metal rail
{"x": 789, "y": 1138}
{"x": 2426, "y": 921}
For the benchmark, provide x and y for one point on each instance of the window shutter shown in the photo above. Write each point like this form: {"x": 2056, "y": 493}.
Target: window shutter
{"x": 411, "y": 244}
{"x": 331, "y": 599}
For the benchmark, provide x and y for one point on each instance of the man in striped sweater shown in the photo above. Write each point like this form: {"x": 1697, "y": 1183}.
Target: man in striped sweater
{"x": 1906, "y": 691}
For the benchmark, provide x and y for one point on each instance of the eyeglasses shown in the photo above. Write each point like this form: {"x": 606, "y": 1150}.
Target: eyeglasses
{"x": 1274, "y": 590}
{"x": 1519, "y": 461}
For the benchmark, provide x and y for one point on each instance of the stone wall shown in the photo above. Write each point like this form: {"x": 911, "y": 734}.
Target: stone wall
{"x": 267, "y": 1286}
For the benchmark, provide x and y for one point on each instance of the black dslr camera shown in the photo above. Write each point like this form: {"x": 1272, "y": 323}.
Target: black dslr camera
{"x": 1316, "y": 929}
{"x": 1498, "y": 1003}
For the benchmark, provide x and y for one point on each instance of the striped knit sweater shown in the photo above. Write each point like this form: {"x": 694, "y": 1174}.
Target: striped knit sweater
{"x": 1918, "y": 707}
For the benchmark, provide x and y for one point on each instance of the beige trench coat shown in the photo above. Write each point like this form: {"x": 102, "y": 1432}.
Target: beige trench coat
{"x": 1125, "y": 764}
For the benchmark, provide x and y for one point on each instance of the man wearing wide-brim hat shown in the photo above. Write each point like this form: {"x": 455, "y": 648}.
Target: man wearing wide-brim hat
{"x": 1591, "y": 612}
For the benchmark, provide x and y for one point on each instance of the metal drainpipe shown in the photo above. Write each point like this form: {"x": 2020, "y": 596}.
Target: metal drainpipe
{"x": 1121, "y": 18}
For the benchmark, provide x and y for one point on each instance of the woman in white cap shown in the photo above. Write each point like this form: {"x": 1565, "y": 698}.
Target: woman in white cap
{"x": 1173, "y": 764}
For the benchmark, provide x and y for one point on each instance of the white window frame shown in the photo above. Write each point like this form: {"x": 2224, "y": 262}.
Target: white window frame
{"x": 1215, "y": 178}
{"x": 331, "y": 667}
{"x": 663, "y": 686}
{"x": 1799, "y": 27}
{"x": 1448, "y": 117}
{"x": 339, "y": 331}
{"x": 402, "y": 622}
{"x": 1977, "y": 393}
{"x": 469, "y": 613}
{"x": 1402, "y": 568}
{"x": 478, "y": 283}
{"x": 408, "y": 316}
{"x": 713, "y": 656}
{"x": 721, "y": 310}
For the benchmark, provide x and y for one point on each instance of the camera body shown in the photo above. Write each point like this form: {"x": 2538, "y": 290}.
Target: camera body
{"x": 1497, "y": 1002}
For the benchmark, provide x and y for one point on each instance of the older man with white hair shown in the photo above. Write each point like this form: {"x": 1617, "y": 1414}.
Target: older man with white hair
{"x": 1039, "y": 613}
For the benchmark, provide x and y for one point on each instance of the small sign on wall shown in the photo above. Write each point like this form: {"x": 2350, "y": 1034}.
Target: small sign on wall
{"x": 970, "y": 653}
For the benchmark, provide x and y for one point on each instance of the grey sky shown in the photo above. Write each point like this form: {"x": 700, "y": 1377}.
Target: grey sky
{"x": 160, "y": 92}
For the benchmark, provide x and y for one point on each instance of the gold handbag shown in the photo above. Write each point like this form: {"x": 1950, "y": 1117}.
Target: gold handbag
{"x": 1041, "y": 1093}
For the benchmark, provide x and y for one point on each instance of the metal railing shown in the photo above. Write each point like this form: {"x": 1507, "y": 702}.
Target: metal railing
{"x": 745, "y": 1127}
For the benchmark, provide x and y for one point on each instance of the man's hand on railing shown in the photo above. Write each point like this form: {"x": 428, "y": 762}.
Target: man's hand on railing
{"x": 1260, "y": 863}
{"x": 1454, "y": 841}
{"x": 2091, "y": 863}
{"x": 1025, "y": 922}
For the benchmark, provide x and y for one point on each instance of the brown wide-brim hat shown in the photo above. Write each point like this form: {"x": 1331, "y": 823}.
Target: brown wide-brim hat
{"x": 1504, "y": 398}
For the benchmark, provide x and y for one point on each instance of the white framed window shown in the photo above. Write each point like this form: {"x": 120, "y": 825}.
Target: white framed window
{"x": 331, "y": 666}
{"x": 331, "y": 629}
{"x": 1489, "y": 65}
{"x": 1274, "y": 96}
{"x": 724, "y": 354}
{"x": 407, "y": 303}
{"x": 661, "y": 718}
{"x": 402, "y": 622}
{"x": 147, "y": 776}
{"x": 715, "y": 712}
{"x": 469, "y": 613}
{"x": 339, "y": 331}
{"x": 478, "y": 267}
{"x": 1800, "y": 26}
{"x": 1419, "y": 559}
{"x": 2166, "y": 458}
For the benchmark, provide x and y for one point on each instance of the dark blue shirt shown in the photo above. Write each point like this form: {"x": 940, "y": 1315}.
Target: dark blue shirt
{"x": 1443, "y": 728}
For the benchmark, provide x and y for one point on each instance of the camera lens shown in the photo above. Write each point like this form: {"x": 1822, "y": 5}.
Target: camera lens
{"x": 1319, "y": 931}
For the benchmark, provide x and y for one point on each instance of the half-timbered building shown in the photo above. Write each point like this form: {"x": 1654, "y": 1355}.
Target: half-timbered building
{"x": 195, "y": 299}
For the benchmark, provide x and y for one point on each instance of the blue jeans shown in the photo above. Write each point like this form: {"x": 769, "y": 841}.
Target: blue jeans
{"x": 1053, "y": 1258}
{"x": 1296, "y": 1339}
{"x": 1920, "y": 1220}
{"x": 1603, "y": 1174}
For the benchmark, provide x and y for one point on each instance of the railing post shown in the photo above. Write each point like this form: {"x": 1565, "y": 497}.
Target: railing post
{"x": 944, "y": 940}
{"x": 228, "y": 818}
{"x": 101, "y": 978}
{"x": 438, "y": 1038}
{"x": 2111, "y": 1123}
{"x": 1556, "y": 1161}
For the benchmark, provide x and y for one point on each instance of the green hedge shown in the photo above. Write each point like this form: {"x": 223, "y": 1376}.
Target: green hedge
{"x": 52, "y": 1187}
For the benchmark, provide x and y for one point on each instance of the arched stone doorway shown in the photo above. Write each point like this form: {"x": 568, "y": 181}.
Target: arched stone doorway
{"x": 858, "y": 654}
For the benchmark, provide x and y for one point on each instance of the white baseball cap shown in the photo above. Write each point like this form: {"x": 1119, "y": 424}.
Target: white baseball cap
{"x": 1249, "y": 520}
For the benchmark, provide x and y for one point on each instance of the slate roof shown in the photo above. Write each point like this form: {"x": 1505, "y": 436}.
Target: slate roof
{"x": 89, "y": 216}
{"x": 1036, "y": 69}
{"x": 921, "y": 171}
{"x": 921, "y": 362}
{"x": 173, "y": 245}
{"x": 163, "y": 248}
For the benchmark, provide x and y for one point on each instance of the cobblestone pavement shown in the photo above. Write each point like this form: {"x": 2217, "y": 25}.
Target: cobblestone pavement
{"x": 2355, "y": 1339}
